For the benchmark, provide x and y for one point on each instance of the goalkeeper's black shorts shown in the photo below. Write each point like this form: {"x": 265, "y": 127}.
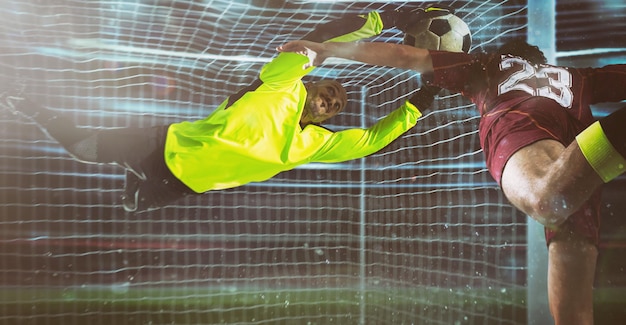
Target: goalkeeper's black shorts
{"x": 149, "y": 183}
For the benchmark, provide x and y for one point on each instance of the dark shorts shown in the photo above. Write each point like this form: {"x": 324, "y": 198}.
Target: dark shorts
{"x": 504, "y": 131}
{"x": 149, "y": 182}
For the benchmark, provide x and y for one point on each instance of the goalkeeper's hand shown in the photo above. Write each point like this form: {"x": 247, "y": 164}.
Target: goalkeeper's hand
{"x": 316, "y": 52}
{"x": 424, "y": 97}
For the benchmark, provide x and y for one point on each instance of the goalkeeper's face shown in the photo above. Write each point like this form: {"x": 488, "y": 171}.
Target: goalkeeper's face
{"x": 325, "y": 99}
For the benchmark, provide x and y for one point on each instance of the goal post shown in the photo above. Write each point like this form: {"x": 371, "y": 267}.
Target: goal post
{"x": 542, "y": 23}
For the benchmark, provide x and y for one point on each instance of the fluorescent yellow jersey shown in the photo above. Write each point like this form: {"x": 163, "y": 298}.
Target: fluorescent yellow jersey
{"x": 259, "y": 135}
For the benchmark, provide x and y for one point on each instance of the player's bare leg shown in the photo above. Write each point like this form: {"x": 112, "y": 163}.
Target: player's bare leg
{"x": 571, "y": 269}
{"x": 548, "y": 181}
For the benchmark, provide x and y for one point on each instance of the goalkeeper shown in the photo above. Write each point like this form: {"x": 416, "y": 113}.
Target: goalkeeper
{"x": 269, "y": 127}
{"x": 540, "y": 141}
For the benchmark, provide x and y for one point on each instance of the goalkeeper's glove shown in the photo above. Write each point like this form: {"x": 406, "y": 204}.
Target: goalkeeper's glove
{"x": 424, "y": 97}
{"x": 404, "y": 17}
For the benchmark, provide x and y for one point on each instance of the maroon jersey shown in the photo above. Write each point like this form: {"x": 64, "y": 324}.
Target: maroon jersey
{"x": 521, "y": 103}
{"x": 493, "y": 81}
{"x": 500, "y": 84}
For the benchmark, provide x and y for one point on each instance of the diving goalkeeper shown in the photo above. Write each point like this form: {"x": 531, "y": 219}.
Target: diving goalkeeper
{"x": 269, "y": 127}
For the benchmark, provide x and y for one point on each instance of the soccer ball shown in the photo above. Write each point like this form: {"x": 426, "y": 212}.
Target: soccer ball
{"x": 439, "y": 30}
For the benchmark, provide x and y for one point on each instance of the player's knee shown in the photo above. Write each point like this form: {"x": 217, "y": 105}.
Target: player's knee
{"x": 548, "y": 207}
{"x": 84, "y": 150}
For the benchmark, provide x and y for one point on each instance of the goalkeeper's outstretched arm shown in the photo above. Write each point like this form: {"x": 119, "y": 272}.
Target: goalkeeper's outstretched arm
{"x": 356, "y": 143}
{"x": 351, "y": 28}
{"x": 348, "y": 29}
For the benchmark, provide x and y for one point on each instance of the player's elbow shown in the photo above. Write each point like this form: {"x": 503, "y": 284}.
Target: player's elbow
{"x": 409, "y": 57}
{"x": 416, "y": 59}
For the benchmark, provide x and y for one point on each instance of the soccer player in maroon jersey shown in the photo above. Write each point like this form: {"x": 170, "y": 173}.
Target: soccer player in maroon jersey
{"x": 540, "y": 141}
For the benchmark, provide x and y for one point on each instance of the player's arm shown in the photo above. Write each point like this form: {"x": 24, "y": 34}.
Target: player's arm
{"x": 375, "y": 53}
{"x": 603, "y": 144}
{"x": 357, "y": 143}
{"x": 609, "y": 83}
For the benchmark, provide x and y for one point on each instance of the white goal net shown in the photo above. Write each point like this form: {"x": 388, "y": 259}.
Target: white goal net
{"x": 417, "y": 233}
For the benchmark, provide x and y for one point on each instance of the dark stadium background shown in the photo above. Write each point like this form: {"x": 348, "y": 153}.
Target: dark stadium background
{"x": 158, "y": 249}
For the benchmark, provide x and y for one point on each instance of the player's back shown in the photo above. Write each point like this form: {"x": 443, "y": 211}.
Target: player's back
{"x": 494, "y": 81}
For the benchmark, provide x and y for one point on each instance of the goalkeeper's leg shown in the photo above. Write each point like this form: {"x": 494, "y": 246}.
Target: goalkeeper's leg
{"x": 114, "y": 146}
{"x": 149, "y": 182}
{"x": 81, "y": 143}
{"x": 148, "y": 185}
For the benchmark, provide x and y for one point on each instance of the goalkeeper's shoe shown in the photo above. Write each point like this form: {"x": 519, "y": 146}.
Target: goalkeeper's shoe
{"x": 143, "y": 194}
{"x": 138, "y": 194}
{"x": 130, "y": 198}
{"x": 11, "y": 97}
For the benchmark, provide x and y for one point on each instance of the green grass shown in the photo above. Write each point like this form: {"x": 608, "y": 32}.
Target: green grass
{"x": 91, "y": 305}
{"x": 191, "y": 305}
